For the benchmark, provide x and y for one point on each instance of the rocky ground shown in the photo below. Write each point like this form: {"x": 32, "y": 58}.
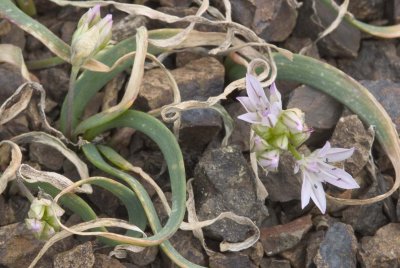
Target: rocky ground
{"x": 359, "y": 236}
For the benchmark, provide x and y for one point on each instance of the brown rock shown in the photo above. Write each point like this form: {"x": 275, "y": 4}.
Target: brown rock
{"x": 350, "y": 132}
{"x": 79, "y": 256}
{"x": 67, "y": 30}
{"x": 175, "y": 3}
{"x": 296, "y": 255}
{"x": 10, "y": 79}
{"x": 241, "y": 129}
{"x": 314, "y": 18}
{"x": 104, "y": 261}
{"x": 6, "y": 212}
{"x": 15, "y": 36}
{"x": 313, "y": 244}
{"x": 383, "y": 249}
{"x": 127, "y": 26}
{"x": 56, "y": 88}
{"x": 279, "y": 238}
{"x": 338, "y": 248}
{"x": 228, "y": 260}
{"x": 46, "y": 156}
{"x": 367, "y": 10}
{"x": 145, "y": 257}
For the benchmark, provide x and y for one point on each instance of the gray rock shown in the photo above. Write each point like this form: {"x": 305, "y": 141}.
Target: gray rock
{"x": 185, "y": 57}
{"x": 145, "y": 257}
{"x": 296, "y": 255}
{"x": 224, "y": 182}
{"x": 274, "y": 263}
{"x": 284, "y": 185}
{"x": 366, "y": 219}
{"x": 280, "y": 238}
{"x": 228, "y": 260}
{"x": 46, "y": 156}
{"x": 56, "y": 88}
{"x": 313, "y": 244}
{"x": 189, "y": 247}
{"x": 127, "y": 26}
{"x": 79, "y": 256}
{"x": 6, "y": 212}
{"x": 104, "y": 261}
{"x": 388, "y": 94}
{"x": 338, "y": 249}
{"x": 10, "y": 79}
{"x": 255, "y": 253}
{"x": 15, "y": 36}
{"x": 296, "y": 44}
{"x": 343, "y": 42}
{"x": 272, "y": 20}
{"x": 383, "y": 249}
{"x": 241, "y": 129}
{"x": 350, "y": 132}
{"x": 367, "y": 10}
{"x": 377, "y": 60}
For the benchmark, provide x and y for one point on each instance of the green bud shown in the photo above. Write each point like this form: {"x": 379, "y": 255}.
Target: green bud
{"x": 280, "y": 142}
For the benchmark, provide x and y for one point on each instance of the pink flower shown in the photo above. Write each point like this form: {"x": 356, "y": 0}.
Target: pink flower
{"x": 316, "y": 170}
{"x": 260, "y": 109}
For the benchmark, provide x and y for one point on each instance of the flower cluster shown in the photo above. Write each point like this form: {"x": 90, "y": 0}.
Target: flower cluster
{"x": 42, "y": 218}
{"x": 277, "y": 130}
{"x": 92, "y": 35}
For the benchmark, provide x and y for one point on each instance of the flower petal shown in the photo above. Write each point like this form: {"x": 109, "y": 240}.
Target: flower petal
{"x": 275, "y": 97}
{"x": 338, "y": 154}
{"x": 247, "y": 104}
{"x": 256, "y": 92}
{"x": 337, "y": 177}
{"x": 305, "y": 192}
{"x": 250, "y": 117}
{"x": 317, "y": 191}
{"x": 324, "y": 150}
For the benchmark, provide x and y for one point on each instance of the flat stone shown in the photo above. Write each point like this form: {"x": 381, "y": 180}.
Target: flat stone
{"x": 350, "y": 132}
{"x": 296, "y": 44}
{"x": 274, "y": 263}
{"x": 143, "y": 258}
{"x": 382, "y": 249}
{"x": 241, "y": 129}
{"x": 228, "y": 260}
{"x": 388, "y": 94}
{"x": 224, "y": 182}
{"x": 189, "y": 247}
{"x": 376, "y": 60}
{"x": 321, "y": 111}
{"x": 279, "y": 238}
{"x": 79, "y": 256}
{"x": 104, "y": 261}
{"x": 338, "y": 249}
{"x": 46, "y": 156}
{"x": 314, "y": 18}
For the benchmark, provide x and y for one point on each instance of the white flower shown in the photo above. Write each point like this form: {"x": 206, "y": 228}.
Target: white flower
{"x": 315, "y": 170}
{"x": 260, "y": 109}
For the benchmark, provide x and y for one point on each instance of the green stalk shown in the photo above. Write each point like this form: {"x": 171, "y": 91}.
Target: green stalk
{"x": 294, "y": 152}
{"x": 70, "y": 100}
{"x": 44, "y": 63}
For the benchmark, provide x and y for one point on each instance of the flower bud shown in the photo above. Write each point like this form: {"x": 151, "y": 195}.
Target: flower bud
{"x": 299, "y": 138}
{"x": 293, "y": 119}
{"x": 280, "y": 142}
{"x": 269, "y": 160}
{"x": 92, "y": 35}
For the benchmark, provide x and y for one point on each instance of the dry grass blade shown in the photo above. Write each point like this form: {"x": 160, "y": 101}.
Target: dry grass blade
{"x": 46, "y": 139}
{"x": 10, "y": 155}
{"x": 31, "y": 175}
{"x": 342, "y": 10}
{"x": 13, "y": 55}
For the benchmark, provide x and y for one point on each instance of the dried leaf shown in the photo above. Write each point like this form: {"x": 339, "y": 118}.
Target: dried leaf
{"x": 12, "y": 157}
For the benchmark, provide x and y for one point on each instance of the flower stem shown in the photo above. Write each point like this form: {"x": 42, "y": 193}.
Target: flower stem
{"x": 294, "y": 152}
{"x": 70, "y": 100}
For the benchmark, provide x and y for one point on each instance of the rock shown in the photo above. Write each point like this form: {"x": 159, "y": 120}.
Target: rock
{"x": 314, "y": 18}
{"x": 189, "y": 247}
{"x": 296, "y": 255}
{"x": 366, "y": 219}
{"x": 228, "y": 260}
{"x": 56, "y": 88}
{"x": 284, "y": 185}
{"x": 10, "y": 79}
{"x": 46, "y": 156}
{"x": 15, "y": 36}
{"x": 255, "y": 253}
{"x": 127, "y": 26}
{"x": 272, "y": 20}
{"x": 145, "y": 257}
{"x": 382, "y": 249}
{"x": 338, "y": 249}
{"x": 104, "y": 200}
{"x": 350, "y": 132}
{"x": 279, "y": 238}
{"x": 104, "y": 261}
{"x": 321, "y": 111}
{"x": 67, "y": 30}
{"x": 241, "y": 129}
{"x": 367, "y": 10}
{"x": 224, "y": 182}
{"x": 313, "y": 243}
{"x": 296, "y": 44}
{"x": 185, "y": 57}
{"x": 274, "y": 263}
{"x": 79, "y": 256}
{"x": 6, "y": 212}
{"x": 175, "y": 3}
{"x": 377, "y": 60}
{"x": 388, "y": 94}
